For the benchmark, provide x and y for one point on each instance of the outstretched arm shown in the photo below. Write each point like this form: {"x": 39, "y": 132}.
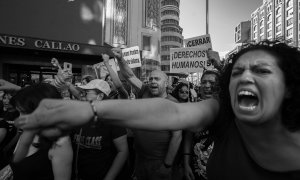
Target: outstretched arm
{"x": 55, "y": 117}
{"x": 126, "y": 70}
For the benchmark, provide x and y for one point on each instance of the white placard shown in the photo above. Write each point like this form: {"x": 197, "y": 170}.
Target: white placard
{"x": 101, "y": 70}
{"x": 192, "y": 59}
{"x": 199, "y": 41}
{"x": 132, "y": 56}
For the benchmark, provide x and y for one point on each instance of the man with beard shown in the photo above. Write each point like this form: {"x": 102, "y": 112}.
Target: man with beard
{"x": 155, "y": 150}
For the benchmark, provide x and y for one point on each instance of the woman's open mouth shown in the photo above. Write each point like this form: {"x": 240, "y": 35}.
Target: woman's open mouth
{"x": 247, "y": 100}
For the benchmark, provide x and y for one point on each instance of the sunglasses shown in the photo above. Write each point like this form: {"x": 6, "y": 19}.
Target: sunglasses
{"x": 183, "y": 92}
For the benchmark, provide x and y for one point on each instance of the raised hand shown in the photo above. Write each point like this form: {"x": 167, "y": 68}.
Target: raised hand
{"x": 117, "y": 52}
{"x": 214, "y": 58}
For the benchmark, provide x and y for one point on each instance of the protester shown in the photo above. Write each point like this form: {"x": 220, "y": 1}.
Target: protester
{"x": 198, "y": 145}
{"x": 7, "y": 130}
{"x": 101, "y": 151}
{"x": 43, "y": 158}
{"x": 117, "y": 89}
{"x": 255, "y": 124}
{"x": 181, "y": 92}
{"x": 86, "y": 79}
{"x": 156, "y": 151}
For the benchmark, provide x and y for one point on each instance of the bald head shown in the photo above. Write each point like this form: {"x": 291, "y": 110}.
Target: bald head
{"x": 161, "y": 73}
{"x": 158, "y": 82}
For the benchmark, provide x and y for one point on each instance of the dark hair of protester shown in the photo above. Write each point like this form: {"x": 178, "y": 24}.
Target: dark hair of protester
{"x": 87, "y": 78}
{"x": 28, "y": 99}
{"x": 289, "y": 62}
{"x": 175, "y": 92}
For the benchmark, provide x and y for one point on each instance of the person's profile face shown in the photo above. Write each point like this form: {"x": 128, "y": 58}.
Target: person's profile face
{"x": 257, "y": 87}
{"x": 158, "y": 83}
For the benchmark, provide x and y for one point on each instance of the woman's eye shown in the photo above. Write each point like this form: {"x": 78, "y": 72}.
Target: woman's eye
{"x": 235, "y": 73}
{"x": 262, "y": 71}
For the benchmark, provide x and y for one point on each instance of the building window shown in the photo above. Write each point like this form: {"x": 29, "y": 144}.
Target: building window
{"x": 269, "y": 25}
{"x": 269, "y": 17}
{"x": 147, "y": 43}
{"x": 158, "y": 45}
{"x": 254, "y": 28}
{"x": 278, "y": 2}
{"x": 255, "y": 20}
{"x": 261, "y": 31}
{"x": 289, "y": 32}
{"x": 289, "y": 22}
{"x": 289, "y": 12}
{"x": 269, "y": 8}
{"x": 269, "y": 34}
{"x": 261, "y": 23}
{"x": 278, "y": 11}
{"x": 278, "y": 19}
{"x": 289, "y": 3}
{"x": 278, "y": 28}
{"x": 165, "y": 68}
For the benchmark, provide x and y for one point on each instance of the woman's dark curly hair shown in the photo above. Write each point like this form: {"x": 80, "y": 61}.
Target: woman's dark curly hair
{"x": 288, "y": 62}
{"x": 175, "y": 92}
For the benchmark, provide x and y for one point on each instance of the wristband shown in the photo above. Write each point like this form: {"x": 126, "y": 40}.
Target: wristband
{"x": 167, "y": 165}
{"x": 95, "y": 115}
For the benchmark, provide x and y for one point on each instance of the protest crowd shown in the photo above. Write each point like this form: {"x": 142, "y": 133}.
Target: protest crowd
{"x": 241, "y": 122}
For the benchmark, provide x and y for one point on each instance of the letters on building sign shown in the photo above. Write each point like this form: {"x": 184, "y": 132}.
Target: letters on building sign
{"x": 11, "y": 40}
{"x": 37, "y": 43}
{"x": 56, "y": 45}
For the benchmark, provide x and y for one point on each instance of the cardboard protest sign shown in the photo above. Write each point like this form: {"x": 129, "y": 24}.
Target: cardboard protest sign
{"x": 101, "y": 70}
{"x": 192, "y": 59}
{"x": 132, "y": 56}
{"x": 199, "y": 41}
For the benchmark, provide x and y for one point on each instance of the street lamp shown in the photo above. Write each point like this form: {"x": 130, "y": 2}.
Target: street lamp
{"x": 207, "y": 17}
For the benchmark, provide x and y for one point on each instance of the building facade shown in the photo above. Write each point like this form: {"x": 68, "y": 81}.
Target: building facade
{"x": 242, "y": 32}
{"x": 135, "y": 23}
{"x": 33, "y": 32}
{"x": 171, "y": 32}
{"x": 276, "y": 19}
